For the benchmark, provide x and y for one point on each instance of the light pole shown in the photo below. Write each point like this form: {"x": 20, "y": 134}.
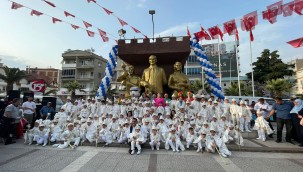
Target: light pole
{"x": 152, "y": 12}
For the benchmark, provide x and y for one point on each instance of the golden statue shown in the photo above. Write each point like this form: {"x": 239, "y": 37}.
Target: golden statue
{"x": 178, "y": 81}
{"x": 129, "y": 79}
{"x": 153, "y": 78}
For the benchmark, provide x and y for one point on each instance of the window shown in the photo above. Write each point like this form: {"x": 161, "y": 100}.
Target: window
{"x": 91, "y": 74}
{"x": 68, "y": 73}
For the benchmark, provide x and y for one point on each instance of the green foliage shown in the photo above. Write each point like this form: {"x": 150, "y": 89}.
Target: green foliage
{"x": 278, "y": 87}
{"x": 11, "y": 76}
{"x": 233, "y": 90}
{"x": 269, "y": 66}
{"x": 197, "y": 85}
{"x": 72, "y": 86}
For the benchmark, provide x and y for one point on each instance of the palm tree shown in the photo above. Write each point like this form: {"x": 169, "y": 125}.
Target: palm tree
{"x": 196, "y": 86}
{"x": 11, "y": 76}
{"x": 233, "y": 90}
{"x": 278, "y": 86}
{"x": 72, "y": 86}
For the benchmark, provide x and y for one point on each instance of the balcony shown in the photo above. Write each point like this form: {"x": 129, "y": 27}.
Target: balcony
{"x": 85, "y": 78}
{"x": 85, "y": 65}
{"x": 71, "y": 65}
{"x": 68, "y": 77}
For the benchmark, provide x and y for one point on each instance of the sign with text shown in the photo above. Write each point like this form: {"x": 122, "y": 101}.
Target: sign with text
{"x": 37, "y": 85}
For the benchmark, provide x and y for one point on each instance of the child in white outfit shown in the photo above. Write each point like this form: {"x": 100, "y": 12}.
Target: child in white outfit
{"x": 261, "y": 125}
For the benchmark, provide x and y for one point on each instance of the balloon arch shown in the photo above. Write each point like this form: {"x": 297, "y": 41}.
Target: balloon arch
{"x": 195, "y": 46}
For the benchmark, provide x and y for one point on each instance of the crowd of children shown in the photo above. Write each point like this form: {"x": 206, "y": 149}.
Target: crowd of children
{"x": 176, "y": 124}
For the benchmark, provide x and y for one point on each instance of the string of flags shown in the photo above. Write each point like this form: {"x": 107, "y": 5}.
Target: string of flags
{"x": 296, "y": 43}
{"x": 103, "y": 34}
{"x": 250, "y": 21}
{"x": 122, "y": 22}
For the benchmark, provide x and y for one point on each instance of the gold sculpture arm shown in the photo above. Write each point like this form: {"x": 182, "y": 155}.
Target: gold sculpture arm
{"x": 124, "y": 74}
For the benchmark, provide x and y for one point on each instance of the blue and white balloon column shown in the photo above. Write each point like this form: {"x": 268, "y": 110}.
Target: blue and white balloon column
{"x": 109, "y": 72}
{"x": 207, "y": 68}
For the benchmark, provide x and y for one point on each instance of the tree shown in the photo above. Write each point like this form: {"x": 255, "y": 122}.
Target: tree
{"x": 197, "y": 85}
{"x": 233, "y": 90}
{"x": 11, "y": 76}
{"x": 72, "y": 86}
{"x": 278, "y": 86}
{"x": 269, "y": 66}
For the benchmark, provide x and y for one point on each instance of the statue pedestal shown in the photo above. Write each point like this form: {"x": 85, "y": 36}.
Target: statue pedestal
{"x": 168, "y": 50}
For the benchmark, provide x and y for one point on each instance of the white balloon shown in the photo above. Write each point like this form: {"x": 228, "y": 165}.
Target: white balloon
{"x": 219, "y": 91}
{"x": 195, "y": 41}
{"x": 216, "y": 89}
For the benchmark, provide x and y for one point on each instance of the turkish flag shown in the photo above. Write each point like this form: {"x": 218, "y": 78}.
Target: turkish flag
{"x": 123, "y": 23}
{"x": 272, "y": 12}
{"x": 298, "y": 6}
{"x": 104, "y": 38}
{"x": 188, "y": 33}
{"x": 107, "y": 11}
{"x": 50, "y": 3}
{"x": 56, "y": 20}
{"x": 37, "y": 13}
{"x": 296, "y": 43}
{"x": 95, "y": 1}
{"x": 102, "y": 33}
{"x": 249, "y": 21}
{"x": 16, "y": 5}
{"x": 135, "y": 30}
{"x": 215, "y": 31}
{"x": 202, "y": 35}
{"x": 75, "y": 26}
{"x": 68, "y": 14}
{"x": 287, "y": 9}
{"x": 87, "y": 25}
{"x": 90, "y": 33}
{"x": 230, "y": 27}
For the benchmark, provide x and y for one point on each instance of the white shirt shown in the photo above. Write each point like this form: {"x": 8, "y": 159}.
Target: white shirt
{"x": 31, "y": 105}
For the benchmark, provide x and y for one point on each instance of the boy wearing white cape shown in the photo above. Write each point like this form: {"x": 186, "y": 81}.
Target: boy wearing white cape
{"x": 155, "y": 138}
{"x": 261, "y": 125}
{"x": 173, "y": 140}
{"x": 214, "y": 142}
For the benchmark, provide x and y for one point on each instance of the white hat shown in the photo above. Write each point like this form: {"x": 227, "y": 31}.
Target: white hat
{"x": 187, "y": 101}
{"x": 91, "y": 115}
{"x": 154, "y": 127}
{"x": 104, "y": 123}
{"x": 233, "y": 100}
{"x": 215, "y": 116}
{"x": 161, "y": 117}
{"x": 173, "y": 95}
{"x": 192, "y": 123}
{"x": 242, "y": 102}
{"x": 41, "y": 125}
{"x": 137, "y": 127}
{"x": 231, "y": 125}
{"x": 89, "y": 120}
{"x": 172, "y": 129}
{"x": 212, "y": 128}
{"x": 199, "y": 114}
{"x": 83, "y": 120}
{"x": 203, "y": 132}
{"x": 203, "y": 104}
{"x": 210, "y": 100}
{"x": 215, "y": 102}
{"x": 205, "y": 122}
{"x": 223, "y": 116}
{"x": 185, "y": 116}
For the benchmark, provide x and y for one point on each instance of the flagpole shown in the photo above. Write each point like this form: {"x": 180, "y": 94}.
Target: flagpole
{"x": 219, "y": 55}
{"x": 236, "y": 47}
{"x": 202, "y": 73}
{"x": 252, "y": 70}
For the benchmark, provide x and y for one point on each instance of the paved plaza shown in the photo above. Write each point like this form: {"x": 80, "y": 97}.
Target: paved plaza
{"x": 20, "y": 157}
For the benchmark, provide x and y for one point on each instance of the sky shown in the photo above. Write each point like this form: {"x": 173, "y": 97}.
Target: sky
{"x": 33, "y": 41}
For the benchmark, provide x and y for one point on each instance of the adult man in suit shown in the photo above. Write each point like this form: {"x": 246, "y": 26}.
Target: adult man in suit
{"x": 153, "y": 77}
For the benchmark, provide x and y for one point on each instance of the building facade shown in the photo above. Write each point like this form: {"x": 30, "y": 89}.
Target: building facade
{"x": 85, "y": 67}
{"x": 297, "y": 78}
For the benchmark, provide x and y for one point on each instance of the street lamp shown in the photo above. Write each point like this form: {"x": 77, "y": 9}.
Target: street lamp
{"x": 122, "y": 33}
{"x": 152, "y": 12}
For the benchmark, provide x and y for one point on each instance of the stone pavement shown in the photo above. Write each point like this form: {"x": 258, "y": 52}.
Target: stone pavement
{"x": 20, "y": 157}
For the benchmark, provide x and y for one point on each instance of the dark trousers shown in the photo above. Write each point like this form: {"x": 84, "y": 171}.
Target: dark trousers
{"x": 269, "y": 123}
{"x": 280, "y": 125}
{"x": 297, "y": 129}
{"x": 7, "y": 128}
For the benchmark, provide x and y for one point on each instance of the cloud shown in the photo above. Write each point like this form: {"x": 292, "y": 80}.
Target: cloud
{"x": 179, "y": 29}
{"x": 141, "y": 3}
